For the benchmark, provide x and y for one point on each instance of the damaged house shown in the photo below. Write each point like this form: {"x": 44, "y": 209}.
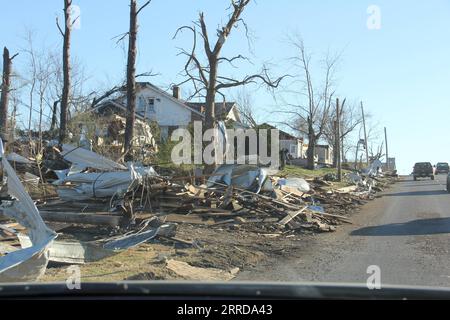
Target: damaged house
{"x": 169, "y": 111}
{"x": 228, "y": 112}
{"x": 293, "y": 144}
{"x": 297, "y": 148}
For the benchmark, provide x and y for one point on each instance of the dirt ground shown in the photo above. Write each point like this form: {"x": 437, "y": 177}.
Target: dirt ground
{"x": 220, "y": 248}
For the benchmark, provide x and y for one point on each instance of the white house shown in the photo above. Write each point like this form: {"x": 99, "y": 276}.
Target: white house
{"x": 293, "y": 144}
{"x": 297, "y": 148}
{"x": 323, "y": 153}
{"x": 154, "y": 104}
{"x": 168, "y": 110}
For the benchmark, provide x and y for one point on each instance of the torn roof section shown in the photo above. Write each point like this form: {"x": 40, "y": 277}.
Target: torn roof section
{"x": 83, "y": 158}
{"x": 223, "y": 111}
{"x": 30, "y": 263}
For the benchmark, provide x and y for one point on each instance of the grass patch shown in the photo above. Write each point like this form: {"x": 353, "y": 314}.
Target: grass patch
{"x": 294, "y": 171}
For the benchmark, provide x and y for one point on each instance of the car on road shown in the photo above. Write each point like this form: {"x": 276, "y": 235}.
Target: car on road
{"x": 442, "y": 167}
{"x": 423, "y": 170}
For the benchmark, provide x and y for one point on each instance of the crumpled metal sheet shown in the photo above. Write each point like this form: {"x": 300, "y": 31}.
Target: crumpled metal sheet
{"x": 135, "y": 239}
{"x": 372, "y": 170}
{"x": 101, "y": 185}
{"x": 298, "y": 183}
{"x": 30, "y": 263}
{"x": 14, "y": 157}
{"x": 354, "y": 178}
{"x": 78, "y": 252}
{"x": 89, "y": 159}
{"x": 248, "y": 177}
{"x": 71, "y": 252}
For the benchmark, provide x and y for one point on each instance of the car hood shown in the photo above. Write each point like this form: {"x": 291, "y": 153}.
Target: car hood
{"x": 229, "y": 290}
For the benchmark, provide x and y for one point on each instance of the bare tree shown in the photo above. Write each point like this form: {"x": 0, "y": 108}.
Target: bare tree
{"x": 6, "y": 87}
{"x": 312, "y": 116}
{"x": 205, "y": 78}
{"x": 246, "y": 109}
{"x": 31, "y": 76}
{"x": 15, "y": 101}
{"x": 44, "y": 75}
{"x": 40, "y": 73}
{"x": 98, "y": 99}
{"x": 375, "y": 139}
{"x": 66, "y": 67}
{"x": 350, "y": 119}
{"x": 79, "y": 100}
{"x": 131, "y": 73}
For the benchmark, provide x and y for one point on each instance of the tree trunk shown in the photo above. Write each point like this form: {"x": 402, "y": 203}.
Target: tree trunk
{"x": 54, "y": 112}
{"x": 66, "y": 72}
{"x": 210, "y": 106}
{"x": 338, "y": 141}
{"x": 131, "y": 78}
{"x": 310, "y": 153}
{"x": 6, "y": 84}
{"x": 333, "y": 145}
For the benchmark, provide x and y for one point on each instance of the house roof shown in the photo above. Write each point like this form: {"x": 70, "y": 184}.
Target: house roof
{"x": 318, "y": 146}
{"x": 141, "y": 85}
{"x": 112, "y": 103}
{"x": 195, "y": 107}
{"x": 283, "y": 134}
{"x": 219, "y": 107}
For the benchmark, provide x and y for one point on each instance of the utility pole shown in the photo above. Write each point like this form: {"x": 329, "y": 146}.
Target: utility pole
{"x": 365, "y": 133}
{"x": 338, "y": 140}
{"x": 387, "y": 149}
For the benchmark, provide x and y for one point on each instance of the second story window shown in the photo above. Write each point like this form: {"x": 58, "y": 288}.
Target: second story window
{"x": 151, "y": 105}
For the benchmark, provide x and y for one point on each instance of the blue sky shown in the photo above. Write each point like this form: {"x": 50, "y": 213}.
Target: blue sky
{"x": 401, "y": 71}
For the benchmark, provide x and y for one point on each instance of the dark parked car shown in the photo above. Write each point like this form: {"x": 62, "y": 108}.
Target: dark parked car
{"x": 423, "y": 170}
{"x": 442, "y": 167}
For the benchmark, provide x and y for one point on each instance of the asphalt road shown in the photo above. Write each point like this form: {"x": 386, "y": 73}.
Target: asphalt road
{"x": 406, "y": 233}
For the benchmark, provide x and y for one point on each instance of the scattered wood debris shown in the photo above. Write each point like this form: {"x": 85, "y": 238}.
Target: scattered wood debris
{"x": 188, "y": 272}
{"x": 80, "y": 188}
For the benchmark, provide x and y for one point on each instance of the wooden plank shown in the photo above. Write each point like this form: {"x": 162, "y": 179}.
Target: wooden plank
{"x": 258, "y": 220}
{"x": 291, "y": 216}
{"x": 327, "y": 215}
{"x": 347, "y": 189}
{"x": 8, "y": 230}
{"x": 188, "y": 272}
{"x": 289, "y": 206}
{"x": 225, "y": 222}
{"x": 190, "y": 219}
{"x": 81, "y": 218}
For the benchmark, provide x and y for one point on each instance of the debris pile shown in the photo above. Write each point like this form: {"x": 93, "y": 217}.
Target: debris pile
{"x": 113, "y": 207}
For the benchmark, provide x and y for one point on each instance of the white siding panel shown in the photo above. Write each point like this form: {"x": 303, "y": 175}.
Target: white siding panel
{"x": 167, "y": 112}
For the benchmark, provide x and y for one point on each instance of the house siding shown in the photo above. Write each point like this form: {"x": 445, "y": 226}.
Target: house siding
{"x": 166, "y": 112}
{"x": 293, "y": 146}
